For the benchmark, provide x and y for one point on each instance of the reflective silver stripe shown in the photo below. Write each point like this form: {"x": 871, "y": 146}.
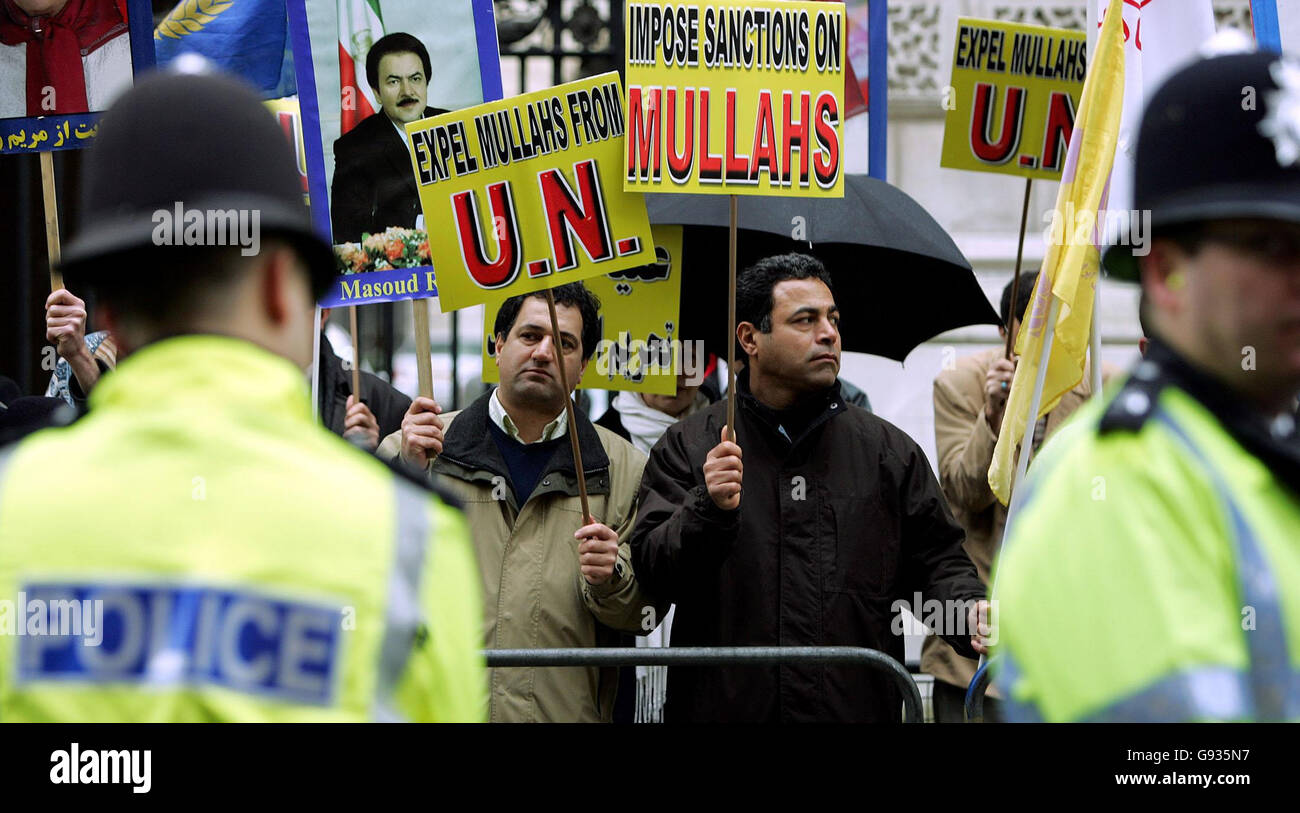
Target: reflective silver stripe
{"x": 6, "y": 457}
{"x": 1210, "y": 694}
{"x": 1274, "y": 692}
{"x": 1005, "y": 676}
{"x": 404, "y": 614}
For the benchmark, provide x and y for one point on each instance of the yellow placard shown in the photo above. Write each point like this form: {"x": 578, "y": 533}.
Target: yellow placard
{"x": 1012, "y": 98}
{"x": 639, "y": 311}
{"x": 735, "y": 97}
{"x": 289, "y": 117}
{"x": 523, "y": 194}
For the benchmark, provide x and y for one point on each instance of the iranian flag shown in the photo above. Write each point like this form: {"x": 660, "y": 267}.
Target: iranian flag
{"x": 360, "y": 24}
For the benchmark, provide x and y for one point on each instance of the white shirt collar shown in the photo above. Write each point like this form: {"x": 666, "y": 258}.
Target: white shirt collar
{"x": 502, "y": 419}
{"x": 401, "y": 128}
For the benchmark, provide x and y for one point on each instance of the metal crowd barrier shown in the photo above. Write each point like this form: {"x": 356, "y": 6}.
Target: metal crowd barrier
{"x": 979, "y": 685}
{"x": 719, "y": 656}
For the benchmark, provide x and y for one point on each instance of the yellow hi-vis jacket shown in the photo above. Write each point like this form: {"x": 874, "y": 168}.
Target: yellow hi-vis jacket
{"x": 1150, "y": 574}
{"x": 198, "y": 548}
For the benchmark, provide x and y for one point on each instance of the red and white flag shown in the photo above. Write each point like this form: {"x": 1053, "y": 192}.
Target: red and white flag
{"x": 360, "y": 24}
{"x": 1160, "y": 36}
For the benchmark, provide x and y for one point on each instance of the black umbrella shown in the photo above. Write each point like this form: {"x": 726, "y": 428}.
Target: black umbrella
{"x": 899, "y": 279}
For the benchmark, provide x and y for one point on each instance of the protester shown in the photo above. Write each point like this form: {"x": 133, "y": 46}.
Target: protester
{"x": 642, "y": 418}
{"x": 376, "y": 416}
{"x": 60, "y": 57}
{"x": 373, "y": 186}
{"x": 294, "y": 579}
{"x": 1148, "y": 575}
{"x": 840, "y": 517}
{"x": 83, "y": 357}
{"x": 969, "y": 403}
{"x": 552, "y": 577}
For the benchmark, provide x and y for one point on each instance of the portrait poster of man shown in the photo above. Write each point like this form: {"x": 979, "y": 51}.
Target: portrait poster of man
{"x": 370, "y": 67}
{"x": 64, "y": 61}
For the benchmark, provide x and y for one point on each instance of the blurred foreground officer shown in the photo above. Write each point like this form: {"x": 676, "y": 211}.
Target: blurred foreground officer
{"x": 225, "y": 557}
{"x": 1151, "y": 575}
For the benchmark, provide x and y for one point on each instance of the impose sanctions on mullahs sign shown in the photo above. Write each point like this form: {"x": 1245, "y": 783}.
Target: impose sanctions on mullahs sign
{"x": 739, "y": 98}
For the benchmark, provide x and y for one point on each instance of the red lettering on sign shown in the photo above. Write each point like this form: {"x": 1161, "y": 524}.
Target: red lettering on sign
{"x": 710, "y": 165}
{"x": 581, "y": 215}
{"x": 643, "y": 135}
{"x": 763, "y": 155}
{"x": 981, "y": 139}
{"x": 1060, "y": 126}
{"x": 826, "y": 116}
{"x": 794, "y": 135}
{"x": 473, "y": 247}
{"x": 679, "y": 164}
{"x": 737, "y": 165}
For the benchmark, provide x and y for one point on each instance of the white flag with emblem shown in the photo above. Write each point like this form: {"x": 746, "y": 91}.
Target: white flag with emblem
{"x": 1160, "y": 36}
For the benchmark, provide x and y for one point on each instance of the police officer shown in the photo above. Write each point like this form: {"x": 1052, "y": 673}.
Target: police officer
{"x": 1149, "y": 575}
{"x": 197, "y": 548}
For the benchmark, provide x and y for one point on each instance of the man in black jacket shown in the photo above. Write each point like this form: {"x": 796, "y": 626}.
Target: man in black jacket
{"x": 378, "y": 415}
{"x": 842, "y": 522}
{"x": 374, "y": 184}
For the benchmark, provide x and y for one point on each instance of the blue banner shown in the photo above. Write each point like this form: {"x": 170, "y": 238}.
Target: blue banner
{"x": 48, "y": 133}
{"x": 391, "y": 285}
{"x": 248, "y": 38}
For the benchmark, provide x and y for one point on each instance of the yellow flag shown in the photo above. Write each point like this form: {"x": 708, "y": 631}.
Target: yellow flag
{"x": 1069, "y": 272}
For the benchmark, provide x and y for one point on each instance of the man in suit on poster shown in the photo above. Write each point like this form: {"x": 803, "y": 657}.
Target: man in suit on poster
{"x": 373, "y": 186}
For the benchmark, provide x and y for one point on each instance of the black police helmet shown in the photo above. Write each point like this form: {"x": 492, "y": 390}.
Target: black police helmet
{"x": 1219, "y": 139}
{"x": 201, "y": 140}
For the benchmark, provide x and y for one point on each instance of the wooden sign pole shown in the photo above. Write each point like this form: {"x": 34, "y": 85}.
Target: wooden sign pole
{"x": 356, "y": 355}
{"x": 423, "y": 354}
{"x": 1015, "y": 280}
{"x": 51, "y": 218}
{"x": 731, "y": 326}
{"x": 568, "y": 406}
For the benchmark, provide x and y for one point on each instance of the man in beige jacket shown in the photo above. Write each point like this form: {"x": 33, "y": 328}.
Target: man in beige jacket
{"x": 551, "y": 578}
{"x": 968, "y": 405}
